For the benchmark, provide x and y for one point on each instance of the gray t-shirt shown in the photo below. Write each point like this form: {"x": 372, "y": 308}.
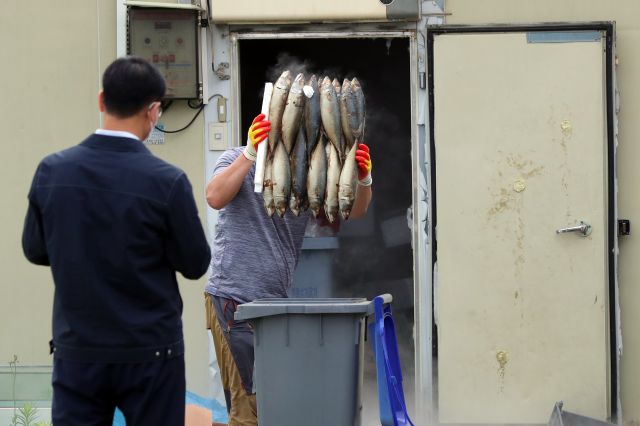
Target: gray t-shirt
{"x": 253, "y": 255}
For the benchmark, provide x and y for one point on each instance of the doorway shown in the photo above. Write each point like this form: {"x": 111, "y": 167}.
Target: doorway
{"x": 372, "y": 255}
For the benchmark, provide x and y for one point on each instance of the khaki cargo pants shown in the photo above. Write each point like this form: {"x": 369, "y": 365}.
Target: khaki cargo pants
{"x": 240, "y": 404}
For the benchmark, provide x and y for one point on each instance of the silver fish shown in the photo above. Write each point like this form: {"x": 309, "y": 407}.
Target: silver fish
{"x": 360, "y": 108}
{"x": 281, "y": 179}
{"x": 348, "y": 183}
{"x": 267, "y": 191}
{"x": 348, "y": 114}
{"x": 342, "y": 151}
{"x": 330, "y": 113}
{"x": 312, "y": 115}
{"x": 317, "y": 177}
{"x": 297, "y": 199}
{"x": 336, "y": 85}
{"x": 292, "y": 114}
{"x": 276, "y": 109}
{"x": 331, "y": 207}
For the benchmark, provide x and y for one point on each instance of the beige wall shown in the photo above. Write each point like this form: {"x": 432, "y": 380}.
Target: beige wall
{"x": 54, "y": 54}
{"x": 48, "y": 102}
{"x": 625, "y": 13}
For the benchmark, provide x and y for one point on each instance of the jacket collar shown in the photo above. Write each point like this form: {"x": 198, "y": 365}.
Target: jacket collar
{"x": 114, "y": 143}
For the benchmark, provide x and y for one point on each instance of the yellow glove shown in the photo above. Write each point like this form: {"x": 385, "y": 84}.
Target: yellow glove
{"x": 258, "y": 132}
{"x": 363, "y": 158}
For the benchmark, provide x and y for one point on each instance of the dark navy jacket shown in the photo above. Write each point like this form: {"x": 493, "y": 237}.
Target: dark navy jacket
{"x": 115, "y": 223}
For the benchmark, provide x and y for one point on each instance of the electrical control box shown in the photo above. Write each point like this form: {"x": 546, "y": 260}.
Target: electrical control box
{"x": 260, "y": 11}
{"x": 168, "y": 38}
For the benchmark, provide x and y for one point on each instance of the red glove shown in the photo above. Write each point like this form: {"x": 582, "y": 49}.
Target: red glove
{"x": 258, "y": 132}
{"x": 364, "y": 165}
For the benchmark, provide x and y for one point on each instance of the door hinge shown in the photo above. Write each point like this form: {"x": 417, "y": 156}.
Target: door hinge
{"x": 624, "y": 227}
{"x": 203, "y": 20}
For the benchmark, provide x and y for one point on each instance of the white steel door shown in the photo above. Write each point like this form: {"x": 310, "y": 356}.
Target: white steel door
{"x": 521, "y": 150}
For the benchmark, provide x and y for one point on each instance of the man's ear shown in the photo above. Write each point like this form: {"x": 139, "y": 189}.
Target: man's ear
{"x": 101, "y": 106}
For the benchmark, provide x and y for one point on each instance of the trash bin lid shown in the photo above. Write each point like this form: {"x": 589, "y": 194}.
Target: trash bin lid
{"x": 270, "y": 307}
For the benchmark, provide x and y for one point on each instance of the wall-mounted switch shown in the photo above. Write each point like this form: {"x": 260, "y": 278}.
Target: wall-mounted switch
{"x": 217, "y": 136}
{"x": 222, "y": 109}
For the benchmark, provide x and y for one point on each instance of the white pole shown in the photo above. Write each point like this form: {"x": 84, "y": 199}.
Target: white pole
{"x": 121, "y": 29}
{"x": 258, "y": 181}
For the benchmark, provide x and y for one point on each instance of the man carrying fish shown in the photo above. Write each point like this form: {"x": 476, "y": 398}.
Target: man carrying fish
{"x": 254, "y": 257}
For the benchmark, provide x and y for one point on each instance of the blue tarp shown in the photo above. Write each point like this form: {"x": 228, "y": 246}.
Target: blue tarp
{"x": 219, "y": 411}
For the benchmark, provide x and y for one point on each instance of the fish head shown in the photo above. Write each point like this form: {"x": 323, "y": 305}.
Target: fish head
{"x": 328, "y": 91}
{"x": 271, "y": 209}
{"x": 345, "y": 206}
{"x": 355, "y": 84}
{"x": 315, "y": 209}
{"x": 297, "y": 93}
{"x": 299, "y": 80}
{"x": 346, "y": 85}
{"x": 284, "y": 80}
{"x": 331, "y": 212}
{"x": 280, "y": 206}
{"x": 326, "y": 84}
{"x": 336, "y": 85}
{"x": 294, "y": 206}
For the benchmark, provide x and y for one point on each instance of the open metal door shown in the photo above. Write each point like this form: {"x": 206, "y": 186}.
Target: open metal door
{"x": 522, "y": 148}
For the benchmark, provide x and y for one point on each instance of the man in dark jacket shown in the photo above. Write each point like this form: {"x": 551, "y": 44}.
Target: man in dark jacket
{"x": 115, "y": 223}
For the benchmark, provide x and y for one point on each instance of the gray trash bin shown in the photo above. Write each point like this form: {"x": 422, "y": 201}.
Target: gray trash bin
{"x": 308, "y": 359}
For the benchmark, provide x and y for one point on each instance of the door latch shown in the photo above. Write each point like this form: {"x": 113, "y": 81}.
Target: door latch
{"x": 584, "y": 229}
{"x": 624, "y": 227}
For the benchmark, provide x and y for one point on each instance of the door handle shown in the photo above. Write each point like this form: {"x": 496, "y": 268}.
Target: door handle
{"x": 584, "y": 229}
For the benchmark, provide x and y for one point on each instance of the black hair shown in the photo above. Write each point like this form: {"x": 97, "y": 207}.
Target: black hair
{"x": 130, "y": 84}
